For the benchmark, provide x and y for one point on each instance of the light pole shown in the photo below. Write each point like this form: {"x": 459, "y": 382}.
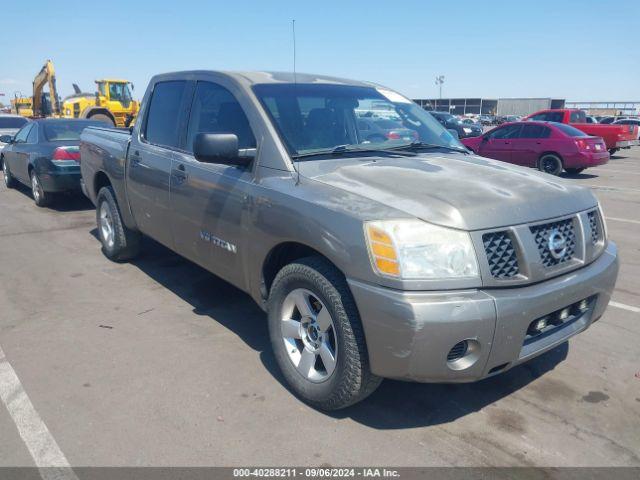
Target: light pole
{"x": 439, "y": 82}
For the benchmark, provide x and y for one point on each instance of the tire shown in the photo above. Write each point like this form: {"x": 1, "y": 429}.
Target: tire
{"x": 9, "y": 181}
{"x": 322, "y": 288}
{"x": 550, "y": 163}
{"x": 101, "y": 117}
{"x": 575, "y": 171}
{"x": 119, "y": 243}
{"x": 40, "y": 197}
{"x": 612, "y": 151}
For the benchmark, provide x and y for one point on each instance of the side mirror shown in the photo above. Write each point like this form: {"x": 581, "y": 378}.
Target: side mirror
{"x": 218, "y": 148}
{"x": 453, "y": 132}
{"x": 6, "y": 139}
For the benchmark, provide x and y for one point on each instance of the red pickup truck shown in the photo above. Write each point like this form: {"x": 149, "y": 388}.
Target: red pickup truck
{"x": 615, "y": 136}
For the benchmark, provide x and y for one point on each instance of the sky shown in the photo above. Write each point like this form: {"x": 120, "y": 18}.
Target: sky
{"x": 574, "y": 49}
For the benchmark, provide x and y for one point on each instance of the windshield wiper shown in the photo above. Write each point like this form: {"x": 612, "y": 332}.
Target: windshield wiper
{"x": 341, "y": 150}
{"x": 429, "y": 146}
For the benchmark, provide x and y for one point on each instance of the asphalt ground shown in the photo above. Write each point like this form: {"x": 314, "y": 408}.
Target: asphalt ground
{"x": 157, "y": 362}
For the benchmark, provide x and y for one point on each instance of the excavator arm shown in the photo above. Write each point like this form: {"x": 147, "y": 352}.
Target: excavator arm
{"x": 47, "y": 75}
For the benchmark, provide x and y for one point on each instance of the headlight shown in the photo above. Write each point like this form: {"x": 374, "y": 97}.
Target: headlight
{"x": 413, "y": 249}
{"x": 467, "y": 130}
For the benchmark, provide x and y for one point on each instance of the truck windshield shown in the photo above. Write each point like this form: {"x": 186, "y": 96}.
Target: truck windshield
{"x": 321, "y": 118}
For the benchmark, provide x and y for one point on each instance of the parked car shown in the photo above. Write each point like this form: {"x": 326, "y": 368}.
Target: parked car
{"x": 9, "y": 125}
{"x": 371, "y": 260}
{"x": 487, "y": 120}
{"x": 377, "y": 130}
{"x": 615, "y": 136}
{"x": 591, "y": 119}
{"x": 629, "y": 121}
{"x": 44, "y": 155}
{"x": 450, "y": 122}
{"x": 548, "y": 146}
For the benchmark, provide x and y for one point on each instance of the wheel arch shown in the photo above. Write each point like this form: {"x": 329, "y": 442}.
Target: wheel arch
{"x": 100, "y": 180}
{"x": 551, "y": 152}
{"x": 283, "y": 254}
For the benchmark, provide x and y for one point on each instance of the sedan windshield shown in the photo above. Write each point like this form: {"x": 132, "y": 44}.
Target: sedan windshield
{"x": 322, "y": 118}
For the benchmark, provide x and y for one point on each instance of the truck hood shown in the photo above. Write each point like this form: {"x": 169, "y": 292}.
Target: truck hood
{"x": 453, "y": 190}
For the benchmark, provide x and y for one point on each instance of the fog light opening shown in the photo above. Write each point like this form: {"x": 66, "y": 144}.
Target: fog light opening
{"x": 463, "y": 354}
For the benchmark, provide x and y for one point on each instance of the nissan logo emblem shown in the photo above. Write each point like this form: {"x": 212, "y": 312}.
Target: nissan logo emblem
{"x": 557, "y": 244}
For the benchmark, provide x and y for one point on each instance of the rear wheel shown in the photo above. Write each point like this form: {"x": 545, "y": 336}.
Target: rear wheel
{"x": 118, "y": 242}
{"x": 40, "y": 197}
{"x": 575, "y": 171}
{"x": 317, "y": 336}
{"x": 612, "y": 151}
{"x": 550, "y": 163}
{"x": 9, "y": 181}
{"x": 101, "y": 117}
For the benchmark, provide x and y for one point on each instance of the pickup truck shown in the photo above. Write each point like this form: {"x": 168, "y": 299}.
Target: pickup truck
{"x": 410, "y": 259}
{"x": 615, "y": 136}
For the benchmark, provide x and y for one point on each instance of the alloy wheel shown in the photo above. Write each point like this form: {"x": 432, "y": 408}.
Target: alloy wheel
{"x": 106, "y": 225}
{"x": 309, "y": 335}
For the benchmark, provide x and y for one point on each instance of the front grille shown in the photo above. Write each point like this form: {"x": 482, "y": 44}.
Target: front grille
{"x": 595, "y": 228}
{"x": 458, "y": 351}
{"x": 562, "y": 229}
{"x": 501, "y": 254}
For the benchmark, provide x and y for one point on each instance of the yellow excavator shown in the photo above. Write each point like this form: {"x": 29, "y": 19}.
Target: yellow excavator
{"x": 41, "y": 104}
{"x": 112, "y": 103}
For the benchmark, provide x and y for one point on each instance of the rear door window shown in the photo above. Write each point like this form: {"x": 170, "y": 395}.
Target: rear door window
{"x": 163, "y": 117}
{"x": 535, "y": 131}
{"x": 549, "y": 117}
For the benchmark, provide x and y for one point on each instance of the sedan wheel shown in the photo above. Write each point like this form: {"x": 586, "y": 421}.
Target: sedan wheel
{"x": 41, "y": 198}
{"x": 551, "y": 164}
{"x": 9, "y": 181}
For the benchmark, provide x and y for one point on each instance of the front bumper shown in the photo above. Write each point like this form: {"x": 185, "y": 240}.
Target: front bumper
{"x": 409, "y": 334}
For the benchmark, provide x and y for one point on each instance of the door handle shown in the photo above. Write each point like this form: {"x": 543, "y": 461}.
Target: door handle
{"x": 135, "y": 156}
{"x": 179, "y": 173}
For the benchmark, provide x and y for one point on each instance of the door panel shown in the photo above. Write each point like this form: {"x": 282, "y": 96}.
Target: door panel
{"x": 499, "y": 149}
{"x": 148, "y": 189}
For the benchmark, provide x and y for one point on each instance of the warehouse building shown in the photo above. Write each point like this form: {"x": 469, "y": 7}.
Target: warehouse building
{"x": 486, "y": 106}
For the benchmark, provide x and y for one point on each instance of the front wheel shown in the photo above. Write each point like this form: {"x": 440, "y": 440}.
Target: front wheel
{"x": 118, "y": 242}
{"x": 551, "y": 164}
{"x": 101, "y": 117}
{"x": 40, "y": 197}
{"x": 9, "y": 181}
{"x": 317, "y": 336}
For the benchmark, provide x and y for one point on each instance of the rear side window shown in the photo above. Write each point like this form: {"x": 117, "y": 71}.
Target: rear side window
{"x": 578, "y": 117}
{"x": 163, "y": 117}
{"x": 569, "y": 130}
{"x": 216, "y": 110}
{"x": 33, "y": 135}
{"x": 535, "y": 131}
{"x": 21, "y": 136}
{"x": 549, "y": 117}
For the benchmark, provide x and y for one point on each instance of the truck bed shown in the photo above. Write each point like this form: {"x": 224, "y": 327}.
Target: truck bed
{"x": 103, "y": 149}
